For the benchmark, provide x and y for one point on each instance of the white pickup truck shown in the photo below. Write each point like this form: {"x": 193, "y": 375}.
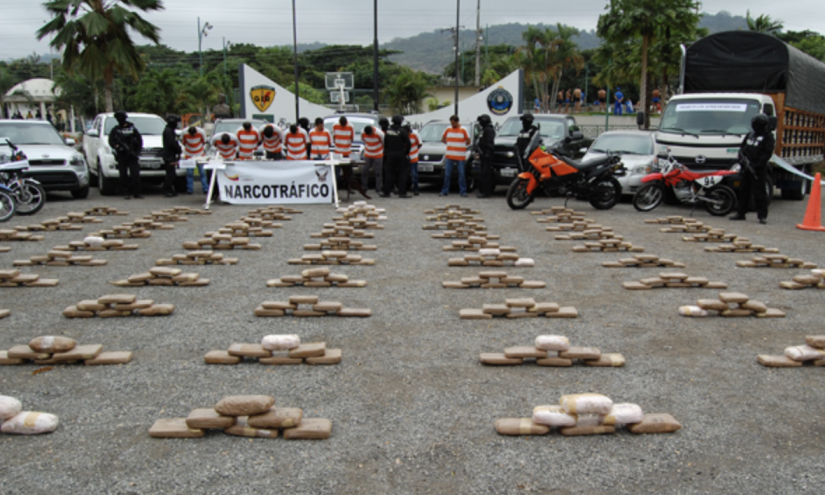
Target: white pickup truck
{"x": 101, "y": 160}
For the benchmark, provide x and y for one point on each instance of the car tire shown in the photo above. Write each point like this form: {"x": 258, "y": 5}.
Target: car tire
{"x": 81, "y": 193}
{"x": 107, "y": 186}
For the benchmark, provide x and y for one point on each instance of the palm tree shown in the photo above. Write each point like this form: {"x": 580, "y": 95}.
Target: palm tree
{"x": 763, "y": 24}
{"x": 94, "y": 36}
{"x": 407, "y": 90}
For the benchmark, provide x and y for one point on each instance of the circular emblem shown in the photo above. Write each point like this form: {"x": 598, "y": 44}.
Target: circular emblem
{"x": 426, "y": 158}
{"x": 500, "y": 101}
{"x": 701, "y": 159}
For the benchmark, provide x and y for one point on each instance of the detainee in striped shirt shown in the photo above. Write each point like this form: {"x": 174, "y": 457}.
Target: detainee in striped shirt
{"x": 457, "y": 140}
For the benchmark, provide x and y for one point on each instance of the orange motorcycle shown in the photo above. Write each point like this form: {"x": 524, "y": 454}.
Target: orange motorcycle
{"x": 554, "y": 173}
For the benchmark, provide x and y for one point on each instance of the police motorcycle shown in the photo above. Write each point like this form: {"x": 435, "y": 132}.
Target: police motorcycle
{"x": 29, "y": 196}
{"x": 551, "y": 171}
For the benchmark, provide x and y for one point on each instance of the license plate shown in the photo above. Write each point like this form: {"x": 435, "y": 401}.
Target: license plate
{"x": 509, "y": 172}
{"x": 425, "y": 167}
{"x": 154, "y": 164}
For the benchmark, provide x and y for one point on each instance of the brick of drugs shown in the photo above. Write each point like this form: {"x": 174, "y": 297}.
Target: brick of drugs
{"x": 204, "y": 419}
{"x": 607, "y": 360}
{"x": 552, "y": 343}
{"x": 220, "y": 357}
{"x": 498, "y": 359}
{"x": 777, "y": 361}
{"x": 26, "y": 352}
{"x": 817, "y": 341}
{"x": 244, "y": 405}
{"x": 520, "y": 426}
{"x": 553, "y": 415}
{"x": 524, "y": 352}
{"x": 314, "y": 349}
{"x": 563, "y": 312}
{"x": 248, "y": 350}
{"x": 30, "y": 423}
{"x": 157, "y": 310}
{"x": 173, "y": 428}
{"x": 280, "y": 342}
{"x": 587, "y": 403}
{"x": 581, "y": 353}
{"x": 310, "y": 429}
{"x": 587, "y": 430}
{"x": 331, "y": 356}
{"x": 277, "y": 417}
{"x": 804, "y": 353}
{"x": 52, "y": 344}
{"x": 622, "y": 414}
{"x": 111, "y": 357}
{"x": 656, "y": 423}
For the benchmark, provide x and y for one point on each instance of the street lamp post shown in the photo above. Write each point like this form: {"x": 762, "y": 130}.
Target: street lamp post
{"x": 202, "y": 33}
{"x": 457, "y": 27}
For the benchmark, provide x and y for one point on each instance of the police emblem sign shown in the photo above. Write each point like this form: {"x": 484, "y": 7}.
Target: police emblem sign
{"x": 500, "y": 101}
{"x": 262, "y": 96}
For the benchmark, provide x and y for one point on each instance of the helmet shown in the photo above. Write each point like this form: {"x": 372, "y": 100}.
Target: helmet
{"x": 121, "y": 116}
{"x": 268, "y": 131}
{"x": 527, "y": 118}
{"x": 172, "y": 119}
{"x": 759, "y": 123}
{"x": 247, "y": 126}
{"x": 225, "y": 138}
{"x": 484, "y": 120}
{"x": 397, "y": 119}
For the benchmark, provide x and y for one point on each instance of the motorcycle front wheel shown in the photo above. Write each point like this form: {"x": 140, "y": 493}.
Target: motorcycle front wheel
{"x": 7, "y": 206}
{"x": 722, "y": 201}
{"x": 606, "y": 193}
{"x": 517, "y": 196}
{"x": 648, "y": 197}
{"x": 30, "y": 198}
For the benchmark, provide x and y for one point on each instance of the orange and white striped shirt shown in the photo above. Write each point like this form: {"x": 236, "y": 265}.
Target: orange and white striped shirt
{"x": 275, "y": 144}
{"x": 373, "y": 145}
{"x": 226, "y": 151}
{"x": 342, "y": 136}
{"x": 248, "y": 142}
{"x": 193, "y": 145}
{"x": 321, "y": 142}
{"x": 415, "y": 146}
{"x": 456, "y": 143}
{"x": 296, "y": 145}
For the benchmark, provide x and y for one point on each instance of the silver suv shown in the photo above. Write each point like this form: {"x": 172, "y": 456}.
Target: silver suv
{"x": 52, "y": 162}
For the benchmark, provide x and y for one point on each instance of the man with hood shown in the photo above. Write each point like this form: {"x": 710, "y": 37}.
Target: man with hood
{"x": 486, "y": 146}
{"x": 171, "y": 155}
{"x": 756, "y": 152}
{"x": 396, "y": 166}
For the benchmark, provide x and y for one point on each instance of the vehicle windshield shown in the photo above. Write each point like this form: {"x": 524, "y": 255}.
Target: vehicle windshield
{"x": 552, "y": 129}
{"x": 232, "y": 127}
{"x": 623, "y": 143}
{"x": 30, "y": 133}
{"x": 433, "y": 132}
{"x": 709, "y": 117}
{"x": 146, "y": 126}
{"x": 357, "y": 124}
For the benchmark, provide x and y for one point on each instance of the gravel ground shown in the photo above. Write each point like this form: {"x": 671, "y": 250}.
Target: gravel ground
{"x": 412, "y": 408}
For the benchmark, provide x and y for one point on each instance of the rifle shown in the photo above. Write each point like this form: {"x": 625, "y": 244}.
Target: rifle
{"x": 745, "y": 162}
{"x": 123, "y": 148}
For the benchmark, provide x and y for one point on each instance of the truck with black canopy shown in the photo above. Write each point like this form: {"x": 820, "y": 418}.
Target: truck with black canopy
{"x": 727, "y": 78}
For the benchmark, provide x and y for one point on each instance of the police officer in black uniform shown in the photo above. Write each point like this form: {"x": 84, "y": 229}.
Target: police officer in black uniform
{"x": 528, "y": 130}
{"x": 396, "y": 164}
{"x": 126, "y": 142}
{"x": 756, "y": 152}
{"x": 171, "y": 155}
{"x": 303, "y": 123}
{"x": 486, "y": 146}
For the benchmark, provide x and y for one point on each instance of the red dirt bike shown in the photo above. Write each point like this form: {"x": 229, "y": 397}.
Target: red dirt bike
{"x": 688, "y": 186}
{"x": 553, "y": 172}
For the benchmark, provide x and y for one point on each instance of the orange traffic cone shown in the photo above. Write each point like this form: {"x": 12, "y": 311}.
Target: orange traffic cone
{"x": 813, "y": 215}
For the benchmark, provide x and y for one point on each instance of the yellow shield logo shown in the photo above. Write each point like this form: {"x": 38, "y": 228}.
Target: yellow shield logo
{"x": 262, "y": 96}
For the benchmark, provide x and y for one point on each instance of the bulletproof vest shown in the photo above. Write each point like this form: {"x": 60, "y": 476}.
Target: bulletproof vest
{"x": 128, "y": 136}
{"x": 753, "y": 145}
{"x": 393, "y": 141}
{"x": 524, "y": 137}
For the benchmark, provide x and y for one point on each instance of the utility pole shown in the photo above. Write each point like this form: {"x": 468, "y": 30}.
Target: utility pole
{"x": 375, "y": 57}
{"x": 226, "y": 45}
{"x": 478, "y": 44}
{"x": 202, "y": 33}
{"x": 457, "y": 20}
{"x": 295, "y": 59}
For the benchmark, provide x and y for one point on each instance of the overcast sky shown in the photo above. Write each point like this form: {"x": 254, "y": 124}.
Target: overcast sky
{"x": 269, "y": 22}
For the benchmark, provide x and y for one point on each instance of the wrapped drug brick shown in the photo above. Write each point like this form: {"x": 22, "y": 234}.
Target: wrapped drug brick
{"x": 520, "y": 426}
{"x": 553, "y": 415}
{"x": 9, "y": 407}
{"x": 281, "y": 342}
{"x": 173, "y": 428}
{"x": 244, "y": 405}
{"x": 622, "y": 414}
{"x": 30, "y": 423}
{"x": 52, "y": 344}
{"x": 804, "y": 353}
{"x": 655, "y": 423}
{"x": 587, "y": 403}
{"x": 310, "y": 429}
{"x": 242, "y": 429}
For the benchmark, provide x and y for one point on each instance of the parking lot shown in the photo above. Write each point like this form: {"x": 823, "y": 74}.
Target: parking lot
{"x": 412, "y": 408}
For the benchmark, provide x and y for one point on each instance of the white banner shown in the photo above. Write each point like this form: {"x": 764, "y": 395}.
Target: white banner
{"x": 276, "y": 182}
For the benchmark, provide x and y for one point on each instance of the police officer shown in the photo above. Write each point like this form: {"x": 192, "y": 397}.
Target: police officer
{"x": 486, "y": 145}
{"x": 756, "y": 152}
{"x": 171, "y": 155}
{"x": 396, "y": 166}
{"x": 528, "y": 130}
{"x": 127, "y": 144}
